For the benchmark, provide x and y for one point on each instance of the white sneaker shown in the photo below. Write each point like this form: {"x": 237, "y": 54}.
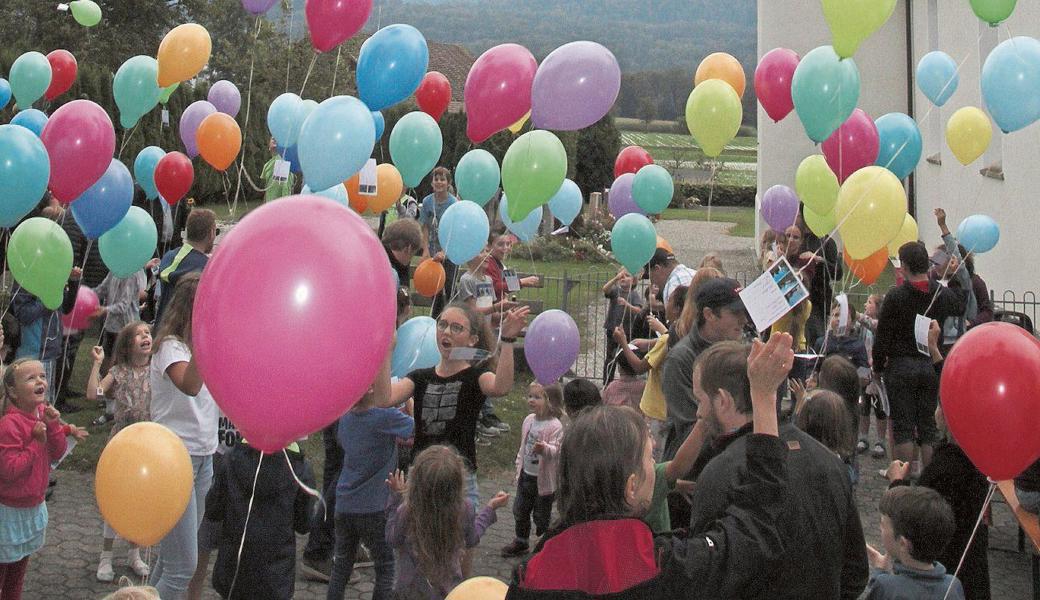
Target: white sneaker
{"x": 138, "y": 566}
{"x": 104, "y": 570}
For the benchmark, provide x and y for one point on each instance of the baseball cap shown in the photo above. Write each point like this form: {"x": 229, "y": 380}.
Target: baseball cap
{"x": 719, "y": 293}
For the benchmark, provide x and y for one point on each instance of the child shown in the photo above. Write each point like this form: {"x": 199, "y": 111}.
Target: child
{"x": 121, "y": 299}
{"x": 767, "y": 248}
{"x": 579, "y": 394}
{"x": 430, "y": 523}
{"x": 916, "y": 524}
{"x": 128, "y": 385}
{"x": 872, "y": 393}
{"x": 501, "y": 243}
{"x": 478, "y": 290}
{"x": 628, "y": 388}
{"x": 625, "y": 305}
{"x": 536, "y": 465}
{"x": 667, "y": 477}
{"x": 826, "y": 418}
{"x": 713, "y": 261}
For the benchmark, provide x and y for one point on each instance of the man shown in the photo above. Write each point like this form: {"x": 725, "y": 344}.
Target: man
{"x": 200, "y": 233}
{"x": 825, "y": 555}
{"x": 275, "y": 187}
{"x": 666, "y": 273}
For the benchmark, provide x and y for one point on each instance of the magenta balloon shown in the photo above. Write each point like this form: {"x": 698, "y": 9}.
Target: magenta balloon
{"x": 773, "y": 82}
{"x": 332, "y": 22}
{"x": 620, "y": 200}
{"x": 283, "y": 278}
{"x": 575, "y": 86}
{"x": 80, "y": 142}
{"x": 225, "y": 97}
{"x": 551, "y": 345}
{"x": 82, "y": 313}
{"x": 258, "y": 7}
{"x": 191, "y": 118}
{"x": 498, "y": 90}
{"x": 853, "y": 146}
{"x": 780, "y": 207}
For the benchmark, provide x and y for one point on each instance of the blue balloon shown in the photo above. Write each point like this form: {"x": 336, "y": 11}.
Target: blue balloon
{"x": 144, "y": 169}
{"x": 825, "y": 90}
{"x": 5, "y": 93}
{"x": 900, "y": 149}
{"x": 937, "y": 77}
{"x": 1011, "y": 83}
{"x": 32, "y": 119}
{"x": 567, "y": 203}
{"x": 527, "y": 229}
{"x": 978, "y": 234}
{"x": 336, "y": 193}
{"x": 282, "y": 119}
{"x": 391, "y": 65}
{"x": 25, "y": 170}
{"x": 105, "y": 203}
{"x": 463, "y": 231}
{"x": 380, "y": 124}
{"x": 416, "y": 347}
{"x": 292, "y": 155}
{"x": 336, "y": 140}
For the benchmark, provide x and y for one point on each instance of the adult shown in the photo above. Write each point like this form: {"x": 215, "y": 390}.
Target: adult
{"x": 828, "y": 270}
{"x": 957, "y": 267}
{"x": 402, "y": 240}
{"x": 433, "y": 207}
{"x": 200, "y": 232}
{"x": 795, "y": 322}
{"x": 667, "y": 273}
{"x": 276, "y": 185}
{"x": 625, "y": 304}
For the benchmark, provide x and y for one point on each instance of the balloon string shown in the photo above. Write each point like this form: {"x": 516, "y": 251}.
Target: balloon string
{"x": 711, "y": 185}
{"x": 252, "y": 184}
{"x": 967, "y": 547}
{"x": 288, "y": 46}
{"x": 126, "y": 139}
{"x": 314, "y": 59}
{"x": 335, "y": 72}
{"x": 249, "y": 102}
{"x": 245, "y": 526}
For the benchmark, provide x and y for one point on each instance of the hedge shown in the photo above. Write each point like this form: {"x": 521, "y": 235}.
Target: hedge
{"x": 722, "y": 195}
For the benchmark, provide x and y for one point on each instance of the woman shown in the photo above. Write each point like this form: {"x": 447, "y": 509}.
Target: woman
{"x": 804, "y": 263}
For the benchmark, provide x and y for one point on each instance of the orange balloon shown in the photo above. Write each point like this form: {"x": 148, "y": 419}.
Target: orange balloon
{"x": 722, "y": 66}
{"x": 479, "y": 588}
{"x": 143, "y": 482}
{"x": 183, "y": 53}
{"x": 219, "y": 139}
{"x": 664, "y": 245}
{"x": 870, "y": 268}
{"x": 358, "y": 202}
{"x": 429, "y": 278}
{"x": 389, "y": 187}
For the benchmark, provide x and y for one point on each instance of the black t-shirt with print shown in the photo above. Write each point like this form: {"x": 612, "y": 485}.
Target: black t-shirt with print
{"x": 447, "y": 409}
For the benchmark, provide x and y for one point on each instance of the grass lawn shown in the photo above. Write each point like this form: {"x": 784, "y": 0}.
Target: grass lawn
{"x": 743, "y": 219}
{"x": 677, "y": 140}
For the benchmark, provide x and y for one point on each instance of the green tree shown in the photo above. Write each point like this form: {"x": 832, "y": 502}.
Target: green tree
{"x": 647, "y": 111}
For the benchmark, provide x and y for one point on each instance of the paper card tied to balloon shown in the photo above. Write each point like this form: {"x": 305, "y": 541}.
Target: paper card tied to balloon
{"x": 774, "y": 294}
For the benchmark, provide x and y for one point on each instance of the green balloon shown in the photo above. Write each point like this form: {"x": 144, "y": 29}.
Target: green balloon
{"x": 130, "y": 244}
{"x": 29, "y": 78}
{"x": 713, "y": 115}
{"x": 477, "y": 176}
{"x": 816, "y": 184}
{"x": 86, "y": 12}
{"x": 135, "y": 89}
{"x": 820, "y": 224}
{"x": 652, "y": 189}
{"x": 164, "y": 96}
{"x": 533, "y": 170}
{"x": 852, "y": 21}
{"x": 415, "y": 146}
{"x": 993, "y": 11}
{"x": 633, "y": 241}
{"x": 40, "y": 257}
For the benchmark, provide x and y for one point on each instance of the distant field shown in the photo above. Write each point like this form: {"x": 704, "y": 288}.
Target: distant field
{"x": 675, "y": 140}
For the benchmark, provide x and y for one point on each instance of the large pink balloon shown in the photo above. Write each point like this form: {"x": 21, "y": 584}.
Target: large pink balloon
{"x": 291, "y": 324}
{"x": 80, "y": 142}
{"x": 498, "y": 90}
{"x": 853, "y": 146}
{"x": 87, "y": 304}
{"x": 575, "y": 86}
{"x": 332, "y": 22}
{"x": 773, "y": 82}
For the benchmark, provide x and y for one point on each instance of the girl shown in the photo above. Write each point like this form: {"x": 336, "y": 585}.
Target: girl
{"x": 128, "y": 385}
{"x": 767, "y": 251}
{"x": 431, "y": 522}
{"x": 804, "y": 262}
{"x": 872, "y": 393}
{"x": 826, "y": 418}
{"x": 536, "y": 462}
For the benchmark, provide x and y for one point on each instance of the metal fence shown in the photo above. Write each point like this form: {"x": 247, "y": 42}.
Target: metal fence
{"x": 1010, "y": 301}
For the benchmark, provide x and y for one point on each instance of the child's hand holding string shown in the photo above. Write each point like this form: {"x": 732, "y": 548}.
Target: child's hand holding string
{"x": 395, "y": 481}
{"x": 500, "y": 500}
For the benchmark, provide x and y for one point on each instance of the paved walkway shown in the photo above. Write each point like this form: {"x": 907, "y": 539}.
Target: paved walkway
{"x": 691, "y": 240}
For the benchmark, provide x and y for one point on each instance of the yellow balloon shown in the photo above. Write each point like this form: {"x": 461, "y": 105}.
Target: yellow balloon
{"x": 816, "y": 184}
{"x": 713, "y": 115}
{"x": 870, "y": 210}
{"x": 183, "y": 53}
{"x": 819, "y": 224}
{"x": 968, "y": 133}
{"x": 722, "y": 66}
{"x": 388, "y": 188}
{"x": 516, "y": 127}
{"x": 907, "y": 233}
{"x": 479, "y": 588}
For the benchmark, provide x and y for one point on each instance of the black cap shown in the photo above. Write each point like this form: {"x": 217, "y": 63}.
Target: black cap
{"x": 719, "y": 293}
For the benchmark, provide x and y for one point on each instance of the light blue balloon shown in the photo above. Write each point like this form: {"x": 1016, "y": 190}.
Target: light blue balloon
{"x": 144, "y": 169}
{"x": 633, "y": 241}
{"x": 416, "y": 347}
{"x": 25, "y": 170}
{"x": 380, "y": 122}
{"x": 292, "y": 155}
{"x": 937, "y": 77}
{"x": 900, "y": 149}
{"x": 653, "y": 189}
{"x": 527, "y": 229}
{"x": 336, "y": 193}
{"x": 32, "y": 119}
{"x": 478, "y": 176}
{"x": 129, "y": 245}
{"x": 567, "y": 203}
{"x": 978, "y": 234}
{"x": 825, "y": 90}
{"x": 105, "y": 203}
{"x": 463, "y": 231}
{"x": 282, "y": 119}
{"x": 30, "y": 77}
{"x": 415, "y": 146}
{"x": 336, "y": 140}
{"x": 5, "y": 93}
{"x": 391, "y": 65}
{"x": 135, "y": 89}
{"x": 1011, "y": 83}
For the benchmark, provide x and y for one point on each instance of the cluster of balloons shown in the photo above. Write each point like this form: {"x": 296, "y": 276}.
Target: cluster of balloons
{"x": 640, "y": 188}
{"x": 713, "y": 110}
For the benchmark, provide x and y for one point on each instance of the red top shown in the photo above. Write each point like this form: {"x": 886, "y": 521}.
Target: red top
{"x": 25, "y": 462}
{"x": 493, "y": 269}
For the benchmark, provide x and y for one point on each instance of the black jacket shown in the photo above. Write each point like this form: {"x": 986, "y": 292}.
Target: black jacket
{"x": 895, "y": 332}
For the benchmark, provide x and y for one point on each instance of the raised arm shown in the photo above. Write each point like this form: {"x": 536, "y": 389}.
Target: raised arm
{"x": 688, "y": 452}
{"x": 501, "y": 381}
{"x": 185, "y": 376}
{"x": 98, "y": 354}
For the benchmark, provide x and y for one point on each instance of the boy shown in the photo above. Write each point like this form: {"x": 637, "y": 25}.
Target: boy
{"x": 579, "y": 394}
{"x": 625, "y": 305}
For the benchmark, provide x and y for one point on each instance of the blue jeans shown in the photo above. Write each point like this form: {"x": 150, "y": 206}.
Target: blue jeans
{"x": 368, "y": 529}
{"x": 472, "y": 490}
{"x": 179, "y": 550}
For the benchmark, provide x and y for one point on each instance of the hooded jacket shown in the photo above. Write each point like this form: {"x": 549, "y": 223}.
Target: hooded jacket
{"x": 895, "y": 332}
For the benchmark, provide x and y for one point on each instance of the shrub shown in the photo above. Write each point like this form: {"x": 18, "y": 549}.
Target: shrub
{"x": 694, "y": 194}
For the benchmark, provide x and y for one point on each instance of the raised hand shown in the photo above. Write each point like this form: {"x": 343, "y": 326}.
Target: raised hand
{"x": 396, "y": 482}
{"x": 98, "y": 354}
{"x": 500, "y": 500}
{"x": 619, "y": 337}
{"x": 769, "y": 363}
{"x": 515, "y": 321}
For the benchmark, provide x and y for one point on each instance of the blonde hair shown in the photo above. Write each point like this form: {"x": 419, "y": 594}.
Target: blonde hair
{"x": 137, "y": 592}
{"x": 712, "y": 260}
{"x": 553, "y": 398}
{"x": 8, "y": 383}
{"x": 435, "y": 504}
{"x": 690, "y": 312}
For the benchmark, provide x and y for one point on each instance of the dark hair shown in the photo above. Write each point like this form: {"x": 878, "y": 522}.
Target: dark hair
{"x": 826, "y": 418}
{"x": 497, "y": 230}
{"x": 479, "y": 327}
{"x": 922, "y": 516}
{"x": 404, "y": 300}
{"x": 403, "y": 234}
{"x": 678, "y": 297}
{"x": 579, "y": 394}
{"x": 840, "y": 376}
{"x": 200, "y": 224}
{"x": 913, "y": 257}
{"x": 177, "y": 318}
{"x": 968, "y": 260}
{"x": 723, "y": 366}
{"x": 623, "y": 366}
{"x": 122, "y": 349}
{"x": 690, "y": 314}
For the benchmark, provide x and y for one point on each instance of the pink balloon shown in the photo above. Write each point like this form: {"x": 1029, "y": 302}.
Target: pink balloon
{"x": 290, "y": 324}
{"x": 80, "y": 142}
{"x": 498, "y": 90}
{"x": 853, "y": 146}
{"x": 332, "y": 22}
{"x": 773, "y": 82}
{"x": 87, "y": 304}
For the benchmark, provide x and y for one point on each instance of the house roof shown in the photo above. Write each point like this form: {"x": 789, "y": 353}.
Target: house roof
{"x": 453, "y": 60}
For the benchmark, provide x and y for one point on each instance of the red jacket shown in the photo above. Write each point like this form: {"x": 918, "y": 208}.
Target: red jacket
{"x": 25, "y": 462}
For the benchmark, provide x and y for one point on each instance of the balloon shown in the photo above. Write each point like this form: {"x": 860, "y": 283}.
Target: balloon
{"x": 773, "y": 82}
{"x": 258, "y": 7}
{"x": 183, "y": 53}
{"x": 144, "y": 169}
{"x": 871, "y": 209}
{"x": 525, "y": 229}
{"x": 219, "y": 139}
{"x": 978, "y": 234}
{"x": 497, "y": 93}
{"x": 720, "y": 65}
{"x": 357, "y": 202}
{"x": 377, "y": 118}
{"x": 105, "y": 203}
{"x": 135, "y": 90}
{"x": 80, "y": 142}
{"x": 282, "y": 119}
{"x": 129, "y": 245}
{"x": 30, "y": 77}
{"x": 968, "y": 134}
{"x": 821, "y": 225}
{"x": 173, "y": 176}
{"x": 415, "y": 146}
{"x": 817, "y": 185}
{"x": 567, "y": 203}
{"x": 993, "y": 11}
{"x": 479, "y": 588}
{"x": 63, "y": 73}
{"x": 870, "y": 268}
{"x": 391, "y": 65}
{"x": 292, "y": 155}
{"x": 551, "y": 345}
{"x": 575, "y": 86}
{"x": 630, "y": 160}
{"x": 533, "y": 170}
{"x": 937, "y": 77}
{"x": 416, "y": 346}
{"x": 428, "y": 278}
{"x": 463, "y": 230}
{"x": 39, "y": 255}
{"x": 336, "y": 193}
{"x": 907, "y": 233}
{"x": 515, "y": 128}
{"x": 87, "y": 304}
{"x": 336, "y": 140}
{"x": 619, "y": 199}
{"x": 389, "y": 188}
{"x": 779, "y": 207}
{"x": 825, "y": 90}
{"x": 86, "y": 12}
{"x": 899, "y": 144}
{"x": 713, "y": 115}
{"x": 31, "y": 119}
{"x": 652, "y": 189}
{"x": 1011, "y": 83}
{"x": 168, "y": 91}
{"x": 24, "y": 172}
{"x": 143, "y": 482}
{"x": 633, "y": 241}
{"x": 852, "y": 146}
{"x": 5, "y": 93}
{"x": 191, "y": 118}
{"x": 477, "y": 176}
{"x": 225, "y": 97}
{"x": 852, "y": 21}
{"x": 433, "y": 94}
{"x": 332, "y": 22}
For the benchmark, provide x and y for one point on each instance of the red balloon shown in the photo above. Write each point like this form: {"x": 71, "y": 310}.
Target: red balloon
{"x": 174, "y": 176}
{"x": 630, "y": 160}
{"x": 434, "y": 94}
{"x": 773, "y": 82}
{"x": 853, "y": 146}
{"x": 990, "y": 398}
{"x": 498, "y": 90}
{"x": 332, "y": 22}
{"x": 63, "y": 73}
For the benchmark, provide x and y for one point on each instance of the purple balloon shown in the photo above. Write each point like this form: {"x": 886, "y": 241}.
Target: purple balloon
{"x": 780, "y": 207}
{"x": 620, "y": 199}
{"x": 551, "y": 345}
{"x": 191, "y": 118}
{"x": 575, "y": 86}
{"x": 258, "y": 7}
{"x": 224, "y": 96}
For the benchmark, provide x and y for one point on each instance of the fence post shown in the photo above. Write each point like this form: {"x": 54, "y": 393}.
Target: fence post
{"x": 566, "y": 292}
{"x": 594, "y": 200}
